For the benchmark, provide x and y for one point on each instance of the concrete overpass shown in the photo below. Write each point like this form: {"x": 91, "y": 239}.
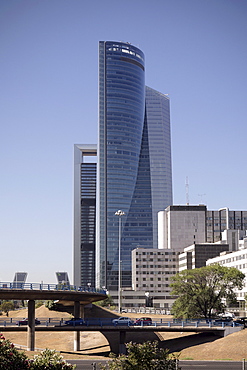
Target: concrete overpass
{"x": 79, "y": 297}
{"x": 117, "y": 336}
{"x": 72, "y": 295}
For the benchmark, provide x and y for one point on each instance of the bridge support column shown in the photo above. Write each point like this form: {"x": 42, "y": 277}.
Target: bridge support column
{"x": 77, "y": 333}
{"x": 122, "y": 339}
{"x": 31, "y": 326}
{"x": 82, "y": 311}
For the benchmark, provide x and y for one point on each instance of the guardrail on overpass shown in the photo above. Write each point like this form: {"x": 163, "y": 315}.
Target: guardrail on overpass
{"x": 50, "y": 287}
{"x": 102, "y": 322}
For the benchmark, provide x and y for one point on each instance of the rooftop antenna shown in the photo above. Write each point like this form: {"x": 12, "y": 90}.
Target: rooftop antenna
{"x": 187, "y": 191}
{"x": 201, "y": 195}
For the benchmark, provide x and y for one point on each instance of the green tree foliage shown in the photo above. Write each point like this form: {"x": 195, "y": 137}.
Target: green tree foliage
{"x": 51, "y": 305}
{"x": 7, "y": 306}
{"x": 106, "y": 302}
{"x": 50, "y": 359}
{"x": 10, "y": 357}
{"x": 201, "y": 291}
{"x": 38, "y": 303}
{"x": 146, "y": 356}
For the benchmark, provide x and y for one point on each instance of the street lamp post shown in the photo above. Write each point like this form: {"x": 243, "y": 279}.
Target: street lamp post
{"x": 147, "y": 299}
{"x": 119, "y": 213}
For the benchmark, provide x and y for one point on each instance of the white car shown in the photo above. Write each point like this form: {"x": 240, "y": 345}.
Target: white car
{"x": 123, "y": 321}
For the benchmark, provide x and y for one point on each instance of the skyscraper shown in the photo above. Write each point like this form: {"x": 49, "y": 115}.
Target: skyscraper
{"x": 84, "y": 214}
{"x": 134, "y": 160}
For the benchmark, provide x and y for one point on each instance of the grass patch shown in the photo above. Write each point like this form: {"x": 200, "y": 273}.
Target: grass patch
{"x": 224, "y": 359}
{"x": 187, "y": 358}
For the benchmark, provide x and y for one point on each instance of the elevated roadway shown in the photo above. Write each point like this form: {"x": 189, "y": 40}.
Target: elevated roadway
{"x": 118, "y": 335}
{"x": 78, "y": 296}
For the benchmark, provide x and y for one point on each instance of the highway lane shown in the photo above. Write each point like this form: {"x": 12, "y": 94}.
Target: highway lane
{"x": 211, "y": 365}
{"x": 184, "y": 365}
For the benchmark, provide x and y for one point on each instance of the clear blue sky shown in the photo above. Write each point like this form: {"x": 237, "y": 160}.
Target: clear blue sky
{"x": 196, "y": 51}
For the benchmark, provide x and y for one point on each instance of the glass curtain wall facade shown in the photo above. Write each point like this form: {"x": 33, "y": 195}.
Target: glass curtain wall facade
{"x": 218, "y": 221}
{"x": 159, "y": 140}
{"x": 130, "y": 171}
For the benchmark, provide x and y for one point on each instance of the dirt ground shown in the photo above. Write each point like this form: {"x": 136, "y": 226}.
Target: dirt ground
{"x": 93, "y": 344}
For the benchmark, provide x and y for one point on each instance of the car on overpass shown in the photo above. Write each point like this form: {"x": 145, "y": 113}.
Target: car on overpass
{"x": 241, "y": 321}
{"x": 25, "y": 322}
{"x": 75, "y": 321}
{"x": 123, "y": 321}
{"x": 143, "y": 321}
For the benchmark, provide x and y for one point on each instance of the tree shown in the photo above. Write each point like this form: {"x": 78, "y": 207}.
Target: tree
{"x": 38, "y": 303}
{"x": 50, "y": 359}
{"x": 51, "y": 305}
{"x": 10, "y": 357}
{"x": 105, "y": 302}
{"x": 7, "y": 306}
{"x": 146, "y": 356}
{"x": 201, "y": 291}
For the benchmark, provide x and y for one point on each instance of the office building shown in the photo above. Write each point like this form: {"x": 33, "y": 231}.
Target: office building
{"x": 196, "y": 255}
{"x": 152, "y": 269}
{"x": 224, "y": 219}
{"x": 134, "y": 161}
{"x": 63, "y": 278}
{"x": 237, "y": 259}
{"x": 180, "y": 226}
{"x": 85, "y": 168}
{"x": 19, "y": 279}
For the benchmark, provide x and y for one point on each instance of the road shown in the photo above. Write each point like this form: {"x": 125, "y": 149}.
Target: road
{"x": 184, "y": 365}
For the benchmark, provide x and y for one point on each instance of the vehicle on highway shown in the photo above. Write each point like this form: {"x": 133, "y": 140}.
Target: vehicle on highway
{"x": 226, "y": 321}
{"x": 241, "y": 321}
{"x": 223, "y": 319}
{"x": 143, "y": 321}
{"x": 226, "y": 314}
{"x": 75, "y": 321}
{"x": 123, "y": 321}
{"x": 25, "y": 322}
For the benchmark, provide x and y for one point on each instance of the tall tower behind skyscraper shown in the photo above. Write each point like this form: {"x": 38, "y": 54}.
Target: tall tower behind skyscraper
{"x": 134, "y": 160}
{"x": 84, "y": 214}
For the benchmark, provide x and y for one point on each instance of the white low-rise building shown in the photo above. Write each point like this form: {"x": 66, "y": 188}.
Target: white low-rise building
{"x": 152, "y": 269}
{"x": 237, "y": 259}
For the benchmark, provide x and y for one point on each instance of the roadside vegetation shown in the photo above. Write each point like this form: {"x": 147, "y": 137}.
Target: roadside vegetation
{"x": 12, "y": 359}
{"x": 204, "y": 291}
{"x": 7, "y": 306}
{"x": 146, "y": 356}
{"x": 107, "y": 302}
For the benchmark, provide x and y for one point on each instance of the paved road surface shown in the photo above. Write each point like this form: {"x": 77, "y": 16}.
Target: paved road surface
{"x": 185, "y": 365}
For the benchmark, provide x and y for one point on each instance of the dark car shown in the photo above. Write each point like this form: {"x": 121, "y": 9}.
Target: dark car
{"x": 25, "y": 322}
{"x": 143, "y": 321}
{"x": 241, "y": 321}
{"x": 223, "y": 320}
{"x": 75, "y": 321}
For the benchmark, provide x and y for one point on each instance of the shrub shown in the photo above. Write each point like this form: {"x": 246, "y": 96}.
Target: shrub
{"x": 51, "y": 305}
{"x": 146, "y": 356}
{"x": 7, "y": 306}
{"x": 38, "y": 303}
{"x": 50, "y": 359}
{"x": 10, "y": 357}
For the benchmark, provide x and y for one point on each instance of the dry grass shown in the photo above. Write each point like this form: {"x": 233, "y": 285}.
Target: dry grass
{"x": 189, "y": 345}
